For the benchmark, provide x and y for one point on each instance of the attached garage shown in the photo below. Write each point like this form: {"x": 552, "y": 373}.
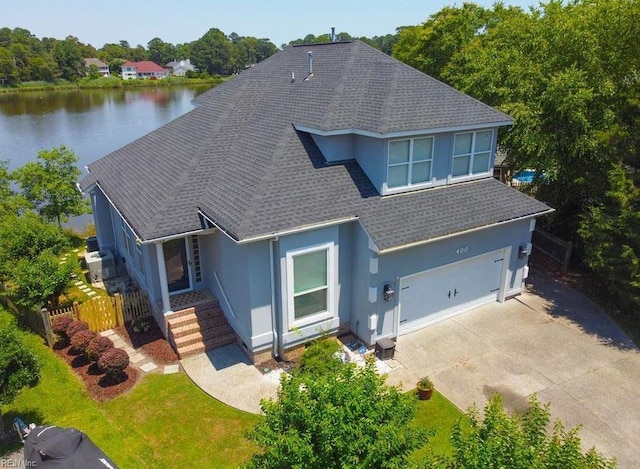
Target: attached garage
{"x": 435, "y": 294}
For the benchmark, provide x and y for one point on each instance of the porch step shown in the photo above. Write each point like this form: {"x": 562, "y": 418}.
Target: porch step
{"x": 202, "y": 335}
{"x": 199, "y": 328}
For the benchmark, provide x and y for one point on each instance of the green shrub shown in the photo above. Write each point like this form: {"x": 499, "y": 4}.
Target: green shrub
{"x": 113, "y": 362}
{"x": 97, "y": 347}
{"x": 320, "y": 357}
{"x": 140, "y": 325}
{"x": 81, "y": 340}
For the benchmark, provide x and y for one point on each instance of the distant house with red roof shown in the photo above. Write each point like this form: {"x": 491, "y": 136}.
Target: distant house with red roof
{"x": 144, "y": 70}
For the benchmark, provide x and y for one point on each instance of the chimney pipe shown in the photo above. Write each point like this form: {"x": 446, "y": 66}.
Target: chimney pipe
{"x": 310, "y": 63}
{"x": 333, "y": 34}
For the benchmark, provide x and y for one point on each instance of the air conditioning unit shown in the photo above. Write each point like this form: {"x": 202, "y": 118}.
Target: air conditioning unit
{"x": 101, "y": 265}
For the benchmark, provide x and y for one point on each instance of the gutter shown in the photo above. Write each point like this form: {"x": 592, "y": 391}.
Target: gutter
{"x": 459, "y": 233}
{"x": 277, "y": 234}
{"x": 274, "y": 327}
{"x": 406, "y": 133}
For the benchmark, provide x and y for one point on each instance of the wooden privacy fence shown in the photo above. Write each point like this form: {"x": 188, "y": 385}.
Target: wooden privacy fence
{"x": 554, "y": 247}
{"x": 101, "y": 313}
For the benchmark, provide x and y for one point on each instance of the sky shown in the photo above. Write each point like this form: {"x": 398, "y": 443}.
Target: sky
{"x": 98, "y": 22}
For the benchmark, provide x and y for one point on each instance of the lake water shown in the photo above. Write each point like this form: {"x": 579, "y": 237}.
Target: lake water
{"x": 92, "y": 123}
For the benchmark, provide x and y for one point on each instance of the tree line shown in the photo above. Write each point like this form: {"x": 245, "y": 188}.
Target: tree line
{"x": 568, "y": 73}
{"x": 24, "y": 57}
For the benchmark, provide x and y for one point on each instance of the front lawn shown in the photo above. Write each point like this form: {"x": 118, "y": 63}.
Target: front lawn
{"x": 438, "y": 414}
{"x": 165, "y": 421}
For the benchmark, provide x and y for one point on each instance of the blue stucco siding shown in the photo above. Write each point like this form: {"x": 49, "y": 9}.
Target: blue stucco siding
{"x": 101, "y": 209}
{"x": 291, "y": 332}
{"x": 370, "y": 155}
{"x": 260, "y": 295}
{"x": 336, "y": 147}
{"x": 368, "y": 284}
{"x": 227, "y": 261}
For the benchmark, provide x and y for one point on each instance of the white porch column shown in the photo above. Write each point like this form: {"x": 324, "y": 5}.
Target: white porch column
{"x": 162, "y": 274}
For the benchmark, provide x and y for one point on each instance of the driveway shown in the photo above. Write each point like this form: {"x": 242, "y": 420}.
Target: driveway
{"x": 551, "y": 340}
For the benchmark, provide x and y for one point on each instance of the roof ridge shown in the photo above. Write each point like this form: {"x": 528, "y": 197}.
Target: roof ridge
{"x": 180, "y": 187}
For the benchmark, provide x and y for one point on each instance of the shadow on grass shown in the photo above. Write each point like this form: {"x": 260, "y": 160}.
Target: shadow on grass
{"x": 27, "y": 416}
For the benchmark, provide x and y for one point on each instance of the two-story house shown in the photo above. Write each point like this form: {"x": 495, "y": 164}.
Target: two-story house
{"x": 103, "y": 68}
{"x": 143, "y": 70}
{"x": 329, "y": 188}
{"x": 181, "y": 67}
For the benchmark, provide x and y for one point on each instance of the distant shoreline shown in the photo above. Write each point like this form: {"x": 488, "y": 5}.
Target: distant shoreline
{"x": 109, "y": 83}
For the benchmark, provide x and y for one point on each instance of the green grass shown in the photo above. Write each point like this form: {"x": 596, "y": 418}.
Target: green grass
{"x": 437, "y": 414}
{"x": 166, "y": 421}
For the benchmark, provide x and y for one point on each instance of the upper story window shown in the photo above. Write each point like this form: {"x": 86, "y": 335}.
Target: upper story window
{"x": 410, "y": 162}
{"x": 471, "y": 153}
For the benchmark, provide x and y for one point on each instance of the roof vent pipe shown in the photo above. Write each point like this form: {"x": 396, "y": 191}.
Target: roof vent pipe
{"x": 333, "y": 34}
{"x": 310, "y": 63}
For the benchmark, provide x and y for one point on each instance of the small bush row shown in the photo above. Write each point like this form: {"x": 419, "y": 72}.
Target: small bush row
{"x": 95, "y": 348}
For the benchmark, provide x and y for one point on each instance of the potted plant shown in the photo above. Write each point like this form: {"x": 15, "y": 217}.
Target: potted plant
{"x": 425, "y": 389}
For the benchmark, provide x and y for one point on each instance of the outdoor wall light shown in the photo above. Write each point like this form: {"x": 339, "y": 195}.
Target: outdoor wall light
{"x": 388, "y": 292}
{"x": 522, "y": 252}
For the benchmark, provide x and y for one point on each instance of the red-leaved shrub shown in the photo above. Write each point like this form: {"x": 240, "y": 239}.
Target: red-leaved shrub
{"x": 75, "y": 327}
{"x": 59, "y": 327}
{"x": 81, "y": 340}
{"x": 97, "y": 347}
{"x": 113, "y": 362}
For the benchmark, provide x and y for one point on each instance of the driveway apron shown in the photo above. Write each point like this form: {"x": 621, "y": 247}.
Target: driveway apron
{"x": 550, "y": 340}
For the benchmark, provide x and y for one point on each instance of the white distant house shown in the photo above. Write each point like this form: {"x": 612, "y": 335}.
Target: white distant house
{"x": 181, "y": 67}
{"x": 143, "y": 70}
{"x": 102, "y": 67}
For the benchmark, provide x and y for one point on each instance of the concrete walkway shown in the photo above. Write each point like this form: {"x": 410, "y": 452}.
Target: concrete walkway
{"x": 227, "y": 374}
{"x": 137, "y": 357}
{"x": 551, "y": 341}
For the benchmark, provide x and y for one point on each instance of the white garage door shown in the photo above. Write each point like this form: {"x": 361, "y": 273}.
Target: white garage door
{"x": 438, "y": 293}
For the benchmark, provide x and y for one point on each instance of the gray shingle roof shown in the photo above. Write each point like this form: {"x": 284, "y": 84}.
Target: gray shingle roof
{"x": 239, "y": 158}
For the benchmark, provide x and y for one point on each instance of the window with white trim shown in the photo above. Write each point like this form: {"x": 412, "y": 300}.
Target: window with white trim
{"x": 471, "y": 153}
{"x": 409, "y": 162}
{"x": 309, "y": 284}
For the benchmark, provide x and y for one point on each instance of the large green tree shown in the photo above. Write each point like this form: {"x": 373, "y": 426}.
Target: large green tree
{"x": 610, "y": 230}
{"x": 161, "y": 52}
{"x": 19, "y": 368}
{"x": 212, "y": 53}
{"x": 39, "y": 281}
{"x": 68, "y": 55}
{"x": 568, "y": 74}
{"x": 50, "y": 184}
{"x": 25, "y": 237}
{"x": 336, "y": 419}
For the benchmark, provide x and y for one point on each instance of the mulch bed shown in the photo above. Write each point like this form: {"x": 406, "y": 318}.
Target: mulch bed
{"x": 152, "y": 343}
{"x": 97, "y": 384}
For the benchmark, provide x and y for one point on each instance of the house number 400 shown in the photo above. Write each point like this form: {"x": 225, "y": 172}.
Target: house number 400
{"x": 462, "y": 250}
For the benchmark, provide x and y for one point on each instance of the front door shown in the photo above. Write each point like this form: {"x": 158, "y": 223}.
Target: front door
{"x": 178, "y": 265}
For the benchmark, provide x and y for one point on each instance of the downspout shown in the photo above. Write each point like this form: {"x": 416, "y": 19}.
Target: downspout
{"x": 274, "y": 326}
